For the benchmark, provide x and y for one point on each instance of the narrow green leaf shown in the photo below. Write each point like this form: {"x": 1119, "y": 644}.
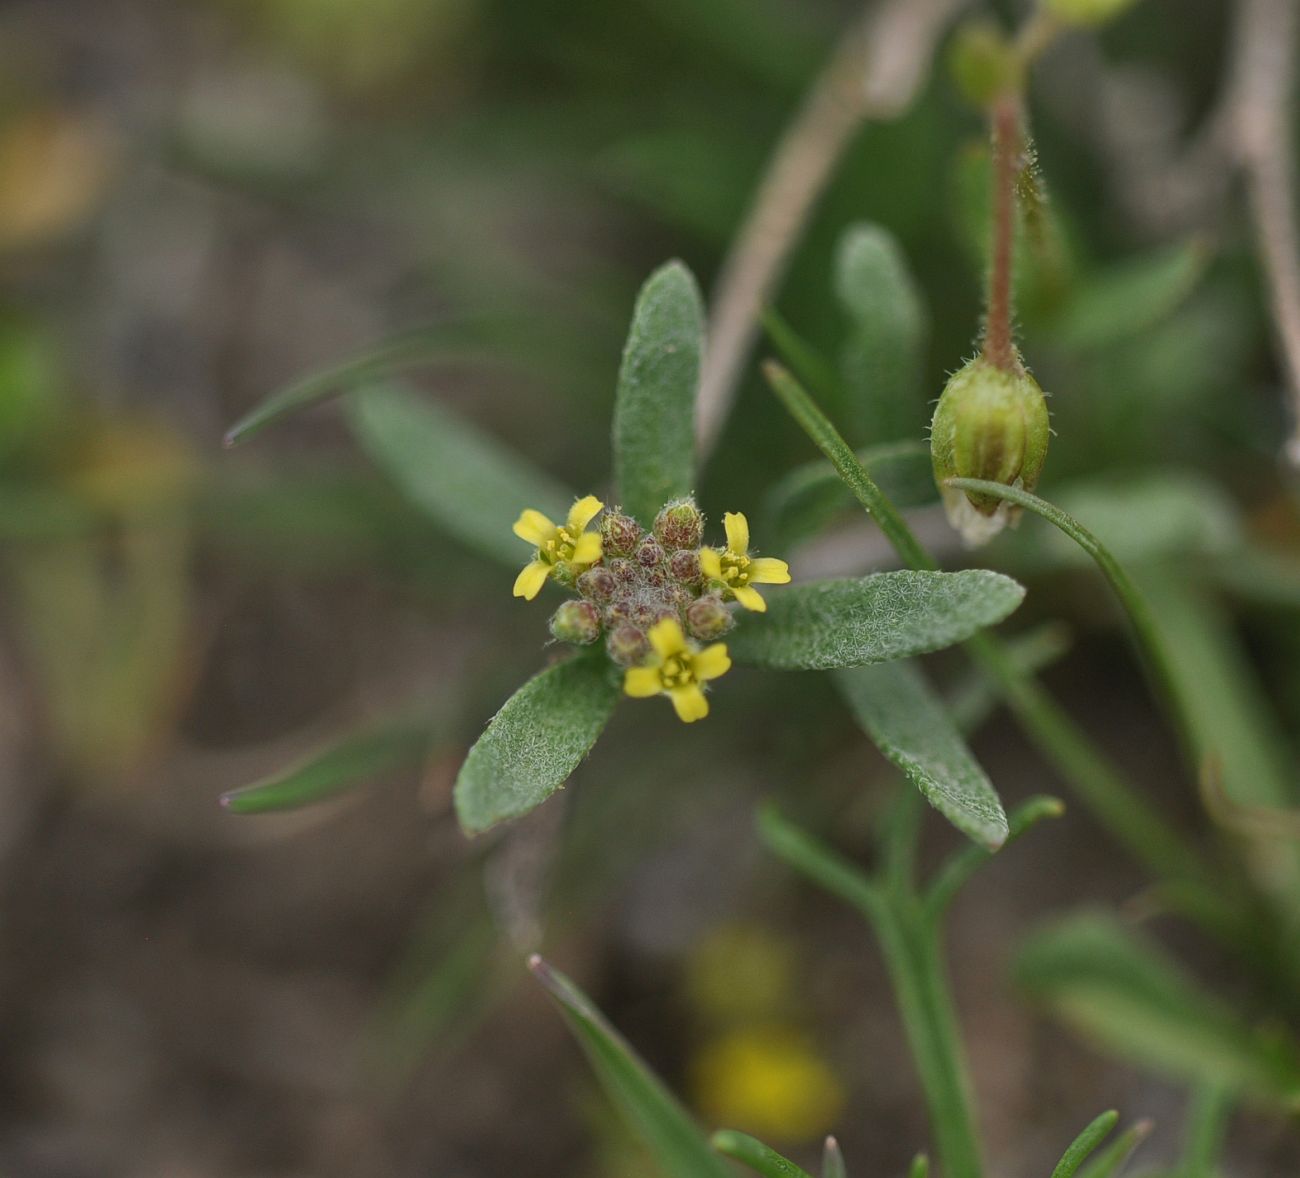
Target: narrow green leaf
{"x": 353, "y": 761}
{"x": 849, "y": 623}
{"x": 470, "y": 484}
{"x": 760, "y": 1158}
{"x": 1107, "y": 1163}
{"x": 1084, "y": 1144}
{"x": 640, "y": 1096}
{"x": 1131, "y": 297}
{"x": 920, "y": 1167}
{"x": 534, "y": 742}
{"x": 1120, "y": 991}
{"x": 880, "y": 362}
{"x": 833, "y": 1160}
{"x": 811, "y": 496}
{"x": 909, "y": 724}
{"x": 1205, "y": 1130}
{"x": 804, "y": 360}
{"x": 654, "y": 414}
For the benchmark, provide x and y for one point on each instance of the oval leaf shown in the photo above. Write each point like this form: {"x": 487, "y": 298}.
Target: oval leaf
{"x": 667, "y": 1129}
{"x": 654, "y": 414}
{"x": 351, "y": 762}
{"x": 534, "y": 742}
{"x": 908, "y": 723}
{"x": 470, "y": 484}
{"x": 849, "y": 623}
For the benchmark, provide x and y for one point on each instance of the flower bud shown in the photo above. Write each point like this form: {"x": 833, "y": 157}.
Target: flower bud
{"x": 619, "y": 534}
{"x": 649, "y": 554}
{"x": 597, "y": 584}
{"x": 1085, "y": 12}
{"x": 627, "y": 645}
{"x": 984, "y": 63}
{"x": 679, "y": 525}
{"x": 685, "y": 566}
{"x": 989, "y": 424}
{"x": 707, "y": 618}
{"x": 577, "y": 622}
{"x": 623, "y": 571}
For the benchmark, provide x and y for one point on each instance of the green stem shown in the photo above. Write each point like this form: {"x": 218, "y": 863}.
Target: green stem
{"x": 1207, "y": 1126}
{"x": 1135, "y": 824}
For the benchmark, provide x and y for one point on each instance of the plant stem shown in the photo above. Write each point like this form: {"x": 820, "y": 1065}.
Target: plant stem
{"x": 1207, "y": 1125}
{"x": 998, "y": 345}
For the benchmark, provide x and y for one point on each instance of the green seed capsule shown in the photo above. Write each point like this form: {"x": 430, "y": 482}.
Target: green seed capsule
{"x": 989, "y": 424}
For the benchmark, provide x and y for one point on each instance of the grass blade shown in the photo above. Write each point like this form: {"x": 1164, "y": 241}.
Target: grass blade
{"x": 1083, "y": 1145}
{"x": 760, "y": 1158}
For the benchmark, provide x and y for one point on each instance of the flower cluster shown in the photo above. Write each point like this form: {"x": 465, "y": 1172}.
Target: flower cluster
{"x": 653, "y": 596}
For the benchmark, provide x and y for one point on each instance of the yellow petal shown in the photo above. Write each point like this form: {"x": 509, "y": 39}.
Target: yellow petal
{"x": 711, "y": 564}
{"x": 750, "y": 599}
{"x": 531, "y": 579}
{"x": 767, "y": 570}
{"x": 583, "y": 512}
{"x": 667, "y": 638}
{"x": 711, "y": 662}
{"x": 737, "y": 527}
{"x": 587, "y": 549}
{"x": 534, "y": 527}
{"x": 690, "y": 703}
{"x": 641, "y": 682}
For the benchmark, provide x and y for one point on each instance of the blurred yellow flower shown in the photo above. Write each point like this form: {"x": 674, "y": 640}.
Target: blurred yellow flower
{"x": 769, "y": 1081}
{"x": 677, "y": 669}
{"x": 569, "y": 546}
{"x": 736, "y": 572}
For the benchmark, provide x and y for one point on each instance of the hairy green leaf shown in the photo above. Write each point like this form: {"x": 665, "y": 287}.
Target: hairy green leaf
{"x": 880, "y": 362}
{"x": 1118, "y": 989}
{"x": 849, "y": 623}
{"x": 668, "y": 1130}
{"x": 654, "y": 414}
{"x": 353, "y": 761}
{"x": 534, "y": 742}
{"x": 760, "y": 1158}
{"x": 811, "y": 496}
{"x": 470, "y": 484}
{"x": 909, "y": 724}
{"x": 1083, "y": 1145}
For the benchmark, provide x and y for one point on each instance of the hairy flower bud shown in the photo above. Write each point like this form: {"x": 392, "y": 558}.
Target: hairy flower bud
{"x": 707, "y": 618}
{"x": 597, "y": 584}
{"x": 577, "y": 622}
{"x": 619, "y": 534}
{"x": 623, "y": 571}
{"x": 649, "y": 554}
{"x": 685, "y": 566}
{"x": 679, "y": 525}
{"x": 989, "y": 424}
{"x": 627, "y": 645}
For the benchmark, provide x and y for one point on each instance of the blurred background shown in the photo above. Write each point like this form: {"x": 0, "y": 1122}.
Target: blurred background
{"x": 206, "y": 200}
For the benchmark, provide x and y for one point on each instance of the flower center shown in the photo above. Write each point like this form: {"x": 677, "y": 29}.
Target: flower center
{"x": 735, "y": 570}
{"x": 559, "y": 547}
{"x": 676, "y": 672}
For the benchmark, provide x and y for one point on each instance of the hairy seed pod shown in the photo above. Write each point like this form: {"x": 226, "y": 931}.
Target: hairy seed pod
{"x": 577, "y": 622}
{"x": 679, "y": 525}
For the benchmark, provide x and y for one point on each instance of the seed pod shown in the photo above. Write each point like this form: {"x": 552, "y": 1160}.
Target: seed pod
{"x": 627, "y": 645}
{"x": 577, "y": 622}
{"x": 707, "y": 618}
{"x": 989, "y": 424}
{"x": 619, "y": 534}
{"x": 679, "y": 525}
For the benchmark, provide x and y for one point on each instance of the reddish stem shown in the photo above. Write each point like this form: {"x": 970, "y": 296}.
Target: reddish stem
{"x": 999, "y": 346}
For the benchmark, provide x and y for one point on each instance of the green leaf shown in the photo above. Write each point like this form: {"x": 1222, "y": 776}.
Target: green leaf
{"x": 1119, "y": 990}
{"x": 353, "y": 761}
{"x": 470, "y": 484}
{"x": 760, "y": 1158}
{"x": 1083, "y": 1145}
{"x": 880, "y": 362}
{"x": 920, "y": 1167}
{"x": 909, "y": 724}
{"x": 667, "y": 1129}
{"x": 811, "y": 496}
{"x": 849, "y": 623}
{"x": 1129, "y": 298}
{"x": 833, "y": 1160}
{"x": 1107, "y": 1163}
{"x": 654, "y": 414}
{"x": 534, "y": 742}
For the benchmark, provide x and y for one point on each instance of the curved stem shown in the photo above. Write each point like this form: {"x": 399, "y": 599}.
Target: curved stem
{"x": 999, "y": 344}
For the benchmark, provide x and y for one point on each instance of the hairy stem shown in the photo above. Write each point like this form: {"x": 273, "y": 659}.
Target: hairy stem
{"x": 999, "y": 342}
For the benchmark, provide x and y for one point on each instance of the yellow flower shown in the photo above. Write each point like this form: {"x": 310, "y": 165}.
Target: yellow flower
{"x": 677, "y": 670}
{"x": 736, "y": 571}
{"x": 569, "y": 547}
